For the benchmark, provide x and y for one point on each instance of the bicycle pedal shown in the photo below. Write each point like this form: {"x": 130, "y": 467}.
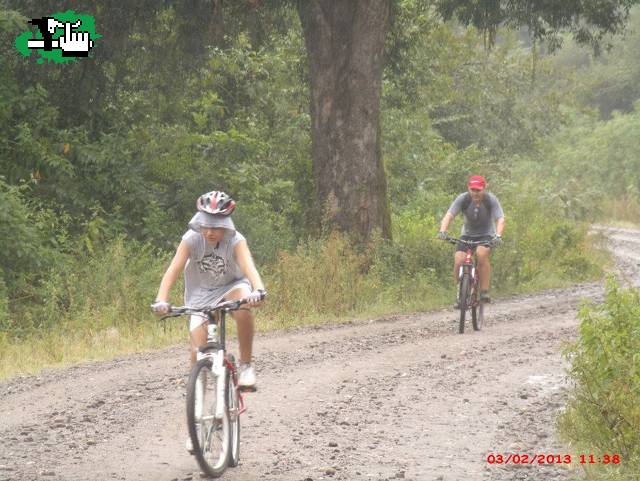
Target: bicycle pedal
{"x": 248, "y": 388}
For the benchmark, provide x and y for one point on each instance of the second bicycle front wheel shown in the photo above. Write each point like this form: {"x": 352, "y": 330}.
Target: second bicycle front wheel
{"x": 208, "y": 423}
{"x": 465, "y": 285}
{"x": 477, "y": 316}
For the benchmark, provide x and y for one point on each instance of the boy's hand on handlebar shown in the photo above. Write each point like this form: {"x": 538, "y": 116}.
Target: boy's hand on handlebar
{"x": 442, "y": 235}
{"x": 160, "y": 307}
{"x": 496, "y": 241}
{"x": 256, "y": 297}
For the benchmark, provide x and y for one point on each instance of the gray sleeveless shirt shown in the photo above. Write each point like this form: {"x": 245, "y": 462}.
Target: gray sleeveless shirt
{"x": 211, "y": 270}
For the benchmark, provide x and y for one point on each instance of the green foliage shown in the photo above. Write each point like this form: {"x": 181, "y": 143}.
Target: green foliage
{"x": 603, "y": 415}
{"x": 4, "y": 306}
{"x": 11, "y": 22}
{"x": 609, "y": 81}
{"x": 588, "y": 21}
{"x": 591, "y": 163}
{"x": 322, "y": 278}
{"x": 471, "y": 96}
{"x": 541, "y": 250}
{"x": 496, "y": 105}
{"x": 420, "y": 164}
{"x": 93, "y": 305}
{"x": 414, "y": 270}
{"x": 112, "y": 286}
{"x": 157, "y": 129}
{"x": 237, "y": 122}
{"x": 29, "y": 242}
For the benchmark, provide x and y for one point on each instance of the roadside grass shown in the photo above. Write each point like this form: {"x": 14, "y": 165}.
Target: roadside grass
{"x": 624, "y": 211}
{"x": 98, "y": 307}
{"x": 603, "y": 412}
{"x": 59, "y": 348}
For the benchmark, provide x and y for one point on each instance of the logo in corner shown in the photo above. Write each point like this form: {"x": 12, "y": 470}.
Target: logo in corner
{"x": 59, "y": 38}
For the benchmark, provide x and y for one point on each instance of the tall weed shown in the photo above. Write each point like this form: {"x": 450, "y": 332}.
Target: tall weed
{"x": 112, "y": 287}
{"x": 323, "y": 278}
{"x": 603, "y": 414}
{"x": 542, "y": 250}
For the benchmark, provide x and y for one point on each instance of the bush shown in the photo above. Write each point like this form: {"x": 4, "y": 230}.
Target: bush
{"x": 592, "y": 167}
{"x": 541, "y": 251}
{"x": 30, "y": 237}
{"x": 414, "y": 269}
{"x": 603, "y": 414}
{"x": 112, "y": 287}
{"x": 93, "y": 306}
{"x": 330, "y": 278}
{"x": 323, "y": 278}
{"x": 4, "y": 305}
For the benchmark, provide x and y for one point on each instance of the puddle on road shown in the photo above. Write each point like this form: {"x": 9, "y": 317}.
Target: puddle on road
{"x": 546, "y": 383}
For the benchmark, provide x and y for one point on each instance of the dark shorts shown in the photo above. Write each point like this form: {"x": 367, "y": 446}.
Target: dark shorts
{"x": 462, "y": 248}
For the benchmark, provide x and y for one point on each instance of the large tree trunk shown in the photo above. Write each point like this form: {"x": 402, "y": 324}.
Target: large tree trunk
{"x": 345, "y": 46}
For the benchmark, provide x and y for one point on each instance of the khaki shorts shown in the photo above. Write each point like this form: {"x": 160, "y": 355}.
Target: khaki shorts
{"x": 197, "y": 320}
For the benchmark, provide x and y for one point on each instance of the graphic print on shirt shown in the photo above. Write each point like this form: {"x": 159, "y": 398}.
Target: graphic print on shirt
{"x": 212, "y": 263}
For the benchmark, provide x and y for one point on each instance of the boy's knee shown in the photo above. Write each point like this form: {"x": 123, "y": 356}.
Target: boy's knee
{"x": 243, "y": 316}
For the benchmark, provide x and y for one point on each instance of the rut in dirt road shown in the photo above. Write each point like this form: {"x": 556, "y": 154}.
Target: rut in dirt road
{"x": 404, "y": 397}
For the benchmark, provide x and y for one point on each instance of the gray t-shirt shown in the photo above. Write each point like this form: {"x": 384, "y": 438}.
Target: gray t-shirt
{"x": 211, "y": 270}
{"x": 478, "y": 221}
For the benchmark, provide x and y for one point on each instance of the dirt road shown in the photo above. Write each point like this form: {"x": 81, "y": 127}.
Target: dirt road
{"x": 404, "y": 397}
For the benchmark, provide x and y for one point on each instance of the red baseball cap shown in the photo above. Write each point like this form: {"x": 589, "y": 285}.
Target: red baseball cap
{"x": 476, "y": 182}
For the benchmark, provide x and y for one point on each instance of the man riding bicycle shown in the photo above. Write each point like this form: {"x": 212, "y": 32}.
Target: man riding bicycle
{"x": 483, "y": 221}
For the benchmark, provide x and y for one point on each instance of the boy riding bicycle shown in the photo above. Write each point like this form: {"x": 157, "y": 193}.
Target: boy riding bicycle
{"x": 483, "y": 221}
{"x": 217, "y": 265}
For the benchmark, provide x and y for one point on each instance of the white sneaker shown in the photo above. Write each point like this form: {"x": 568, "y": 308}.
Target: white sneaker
{"x": 246, "y": 376}
{"x": 189, "y": 445}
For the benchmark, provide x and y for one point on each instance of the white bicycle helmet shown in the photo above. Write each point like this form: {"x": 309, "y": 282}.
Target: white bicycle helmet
{"x": 216, "y": 202}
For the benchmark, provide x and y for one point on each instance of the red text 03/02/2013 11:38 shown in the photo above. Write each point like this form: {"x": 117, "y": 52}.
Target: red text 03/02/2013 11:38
{"x": 552, "y": 458}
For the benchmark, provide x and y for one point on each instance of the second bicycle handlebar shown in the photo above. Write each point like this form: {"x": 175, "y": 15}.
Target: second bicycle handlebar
{"x": 469, "y": 243}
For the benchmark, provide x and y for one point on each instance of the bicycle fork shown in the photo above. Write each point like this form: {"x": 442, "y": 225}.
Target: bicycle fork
{"x": 220, "y": 370}
{"x": 467, "y": 264}
{"x": 472, "y": 272}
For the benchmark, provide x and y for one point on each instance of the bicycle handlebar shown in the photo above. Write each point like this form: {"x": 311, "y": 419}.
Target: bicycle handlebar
{"x": 222, "y": 306}
{"x": 469, "y": 243}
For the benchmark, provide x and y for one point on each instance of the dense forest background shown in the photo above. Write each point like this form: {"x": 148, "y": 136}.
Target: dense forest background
{"x": 101, "y": 160}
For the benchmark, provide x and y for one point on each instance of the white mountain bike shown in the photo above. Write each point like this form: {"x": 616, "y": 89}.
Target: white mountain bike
{"x": 214, "y": 400}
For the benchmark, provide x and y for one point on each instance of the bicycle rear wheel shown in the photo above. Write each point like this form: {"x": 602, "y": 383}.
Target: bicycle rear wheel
{"x": 233, "y": 402}
{"x": 465, "y": 286}
{"x": 209, "y": 433}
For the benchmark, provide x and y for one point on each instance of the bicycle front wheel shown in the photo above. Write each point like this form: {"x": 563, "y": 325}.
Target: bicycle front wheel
{"x": 477, "y": 316}
{"x": 233, "y": 401}
{"x": 208, "y": 423}
{"x": 465, "y": 286}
